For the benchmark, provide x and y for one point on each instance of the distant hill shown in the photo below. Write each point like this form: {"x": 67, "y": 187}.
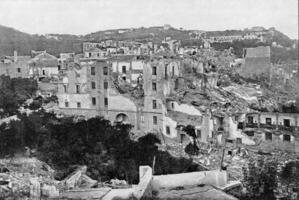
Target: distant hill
{"x": 11, "y": 39}
{"x": 154, "y": 34}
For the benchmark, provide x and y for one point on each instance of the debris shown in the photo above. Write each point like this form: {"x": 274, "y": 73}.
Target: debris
{"x": 78, "y": 179}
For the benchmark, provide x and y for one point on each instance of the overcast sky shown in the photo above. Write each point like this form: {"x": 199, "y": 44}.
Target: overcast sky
{"x": 86, "y": 16}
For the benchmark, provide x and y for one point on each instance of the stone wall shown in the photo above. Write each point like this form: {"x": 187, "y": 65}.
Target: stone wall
{"x": 144, "y": 187}
{"x": 216, "y": 178}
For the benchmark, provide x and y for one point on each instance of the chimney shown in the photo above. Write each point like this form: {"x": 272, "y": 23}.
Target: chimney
{"x": 15, "y": 56}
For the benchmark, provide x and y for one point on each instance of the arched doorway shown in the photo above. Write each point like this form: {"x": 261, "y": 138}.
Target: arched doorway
{"x": 122, "y": 118}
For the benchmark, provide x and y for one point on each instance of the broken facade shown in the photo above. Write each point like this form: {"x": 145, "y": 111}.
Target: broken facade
{"x": 88, "y": 88}
{"x": 274, "y": 131}
{"x": 257, "y": 61}
{"x": 43, "y": 66}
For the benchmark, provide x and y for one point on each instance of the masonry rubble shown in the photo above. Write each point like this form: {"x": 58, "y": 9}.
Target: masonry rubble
{"x": 26, "y": 177}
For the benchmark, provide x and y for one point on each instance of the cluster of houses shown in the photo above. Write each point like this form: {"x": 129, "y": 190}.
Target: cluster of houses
{"x": 97, "y": 83}
{"x": 255, "y": 33}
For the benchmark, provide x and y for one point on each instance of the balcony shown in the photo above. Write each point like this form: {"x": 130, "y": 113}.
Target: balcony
{"x": 287, "y": 128}
{"x": 268, "y": 126}
{"x": 271, "y": 126}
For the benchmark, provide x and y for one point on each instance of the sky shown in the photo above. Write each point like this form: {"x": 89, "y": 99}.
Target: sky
{"x": 85, "y": 16}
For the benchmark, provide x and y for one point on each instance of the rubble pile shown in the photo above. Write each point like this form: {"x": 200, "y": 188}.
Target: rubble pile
{"x": 30, "y": 178}
{"x": 18, "y": 175}
{"x": 234, "y": 158}
{"x": 216, "y": 99}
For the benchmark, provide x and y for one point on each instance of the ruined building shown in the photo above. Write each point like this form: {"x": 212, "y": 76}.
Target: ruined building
{"x": 274, "y": 131}
{"x": 43, "y": 65}
{"x": 92, "y": 88}
{"x": 257, "y": 61}
{"x": 14, "y": 66}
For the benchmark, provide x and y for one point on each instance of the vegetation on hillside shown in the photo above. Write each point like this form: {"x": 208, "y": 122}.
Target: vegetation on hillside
{"x": 278, "y": 54}
{"x": 11, "y": 39}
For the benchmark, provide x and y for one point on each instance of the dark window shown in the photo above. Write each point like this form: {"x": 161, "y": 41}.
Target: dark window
{"x": 268, "y": 136}
{"x": 198, "y": 133}
{"x": 221, "y": 121}
{"x": 182, "y": 137}
{"x": 19, "y": 70}
{"x": 124, "y": 78}
{"x": 250, "y": 120}
{"x": 287, "y": 138}
{"x": 154, "y": 86}
{"x": 106, "y": 101}
{"x": 154, "y": 71}
{"x": 78, "y": 105}
{"x": 105, "y": 70}
{"x": 172, "y": 70}
{"x": 105, "y": 85}
{"x": 93, "y": 71}
{"x": 172, "y": 105}
{"x": 124, "y": 70}
{"x": 94, "y": 101}
{"x": 167, "y": 130}
{"x": 155, "y": 120}
{"x": 89, "y": 54}
{"x": 59, "y": 67}
{"x": 77, "y": 88}
{"x": 286, "y": 122}
{"x": 44, "y": 72}
{"x": 66, "y": 104}
{"x": 166, "y": 71}
{"x": 65, "y": 88}
{"x": 154, "y": 104}
{"x": 93, "y": 85}
{"x": 268, "y": 121}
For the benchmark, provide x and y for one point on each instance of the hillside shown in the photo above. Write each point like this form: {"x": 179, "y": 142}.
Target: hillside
{"x": 11, "y": 39}
{"x": 155, "y": 34}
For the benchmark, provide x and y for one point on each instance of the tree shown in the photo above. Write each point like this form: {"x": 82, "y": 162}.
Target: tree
{"x": 260, "y": 178}
{"x": 289, "y": 177}
{"x": 13, "y": 92}
{"x": 106, "y": 149}
{"x": 191, "y": 148}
